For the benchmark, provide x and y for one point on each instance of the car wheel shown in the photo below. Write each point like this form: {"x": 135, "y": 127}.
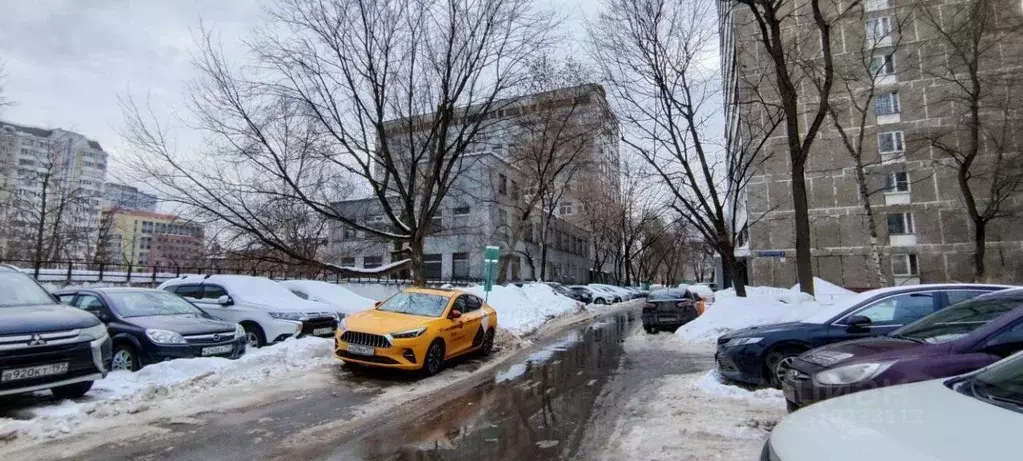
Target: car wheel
{"x": 254, "y": 336}
{"x": 434, "y": 359}
{"x": 72, "y": 391}
{"x": 779, "y": 362}
{"x": 651, "y": 330}
{"x": 124, "y": 359}
{"x": 599, "y": 301}
{"x": 488, "y": 343}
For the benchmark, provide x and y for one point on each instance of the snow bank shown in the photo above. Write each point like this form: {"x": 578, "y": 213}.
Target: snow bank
{"x": 522, "y": 310}
{"x": 712, "y": 384}
{"x": 175, "y": 383}
{"x": 763, "y": 305}
{"x": 826, "y": 292}
{"x": 703, "y": 291}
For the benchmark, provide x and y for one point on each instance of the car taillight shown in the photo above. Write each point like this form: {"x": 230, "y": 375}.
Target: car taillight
{"x": 680, "y": 304}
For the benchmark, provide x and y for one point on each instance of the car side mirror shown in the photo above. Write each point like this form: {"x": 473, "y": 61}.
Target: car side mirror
{"x": 377, "y": 304}
{"x": 857, "y": 321}
{"x": 225, "y": 300}
{"x": 455, "y": 314}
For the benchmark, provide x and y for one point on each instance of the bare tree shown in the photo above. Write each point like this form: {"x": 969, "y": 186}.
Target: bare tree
{"x": 793, "y": 43}
{"x": 385, "y": 94}
{"x": 653, "y": 55}
{"x": 978, "y": 140}
{"x": 4, "y": 102}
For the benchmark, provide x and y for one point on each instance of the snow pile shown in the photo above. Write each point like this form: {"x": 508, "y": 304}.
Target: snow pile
{"x": 711, "y": 383}
{"x": 763, "y": 305}
{"x": 826, "y": 292}
{"x": 522, "y": 310}
{"x": 702, "y": 291}
{"x": 173, "y": 383}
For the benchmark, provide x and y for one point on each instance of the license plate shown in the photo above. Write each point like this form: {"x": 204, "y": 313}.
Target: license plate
{"x": 361, "y": 350}
{"x": 323, "y": 331}
{"x": 34, "y": 372}
{"x": 217, "y": 350}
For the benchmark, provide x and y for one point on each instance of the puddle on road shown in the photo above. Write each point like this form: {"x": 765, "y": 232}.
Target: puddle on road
{"x": 534, "y": 408}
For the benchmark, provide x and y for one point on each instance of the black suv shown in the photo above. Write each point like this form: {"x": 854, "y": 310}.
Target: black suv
{"x": 45, "y": 344}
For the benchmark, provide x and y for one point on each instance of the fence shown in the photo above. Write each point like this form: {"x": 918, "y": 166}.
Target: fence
{"x": 84, "y": 272}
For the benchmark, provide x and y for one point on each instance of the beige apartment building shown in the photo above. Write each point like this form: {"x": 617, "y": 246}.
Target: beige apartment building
{"x": 924, "y": 230}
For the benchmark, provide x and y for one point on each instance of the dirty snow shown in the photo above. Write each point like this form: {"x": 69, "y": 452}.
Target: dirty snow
{"x": 173, "y": 385}
{"x": 763, "y": 305}
{"x": 522, "y": 310}
{"x": 712, "y": 385}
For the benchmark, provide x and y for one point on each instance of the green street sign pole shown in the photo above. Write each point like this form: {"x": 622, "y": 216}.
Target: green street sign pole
{"x": 491, "y": 256}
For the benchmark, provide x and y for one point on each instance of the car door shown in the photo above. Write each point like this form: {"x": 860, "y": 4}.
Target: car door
{"x": 460, "y": 336}
{"x": 95, "y": 306}
{"x": 473, "y": 317}
{"x": 888, "y": 314}
{"x": 209, "y": 294}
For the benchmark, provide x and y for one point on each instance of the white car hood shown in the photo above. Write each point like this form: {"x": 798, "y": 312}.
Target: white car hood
{"x": 915, "y": 422}
{"x": 290, "y": 305}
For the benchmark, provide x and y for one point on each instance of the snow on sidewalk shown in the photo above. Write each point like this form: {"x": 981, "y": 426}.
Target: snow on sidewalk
{"x": 174, "y": 387}
{"x": 761, "y": 306}
{"x": 522, "y": 310}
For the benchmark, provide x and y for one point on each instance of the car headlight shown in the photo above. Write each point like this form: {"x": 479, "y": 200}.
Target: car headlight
{"x": 165, "y": 337}
{"x": 239, "y": 330}
{"x": 293, "y": 316}
{"x": 850, "y": 374}
{"x": 94, "y": 333}
{"x": 343, "y": 325}
{"x": 742, "y": 341}
{"x": 339, "y": 316}
{"x": 409, "y": 333}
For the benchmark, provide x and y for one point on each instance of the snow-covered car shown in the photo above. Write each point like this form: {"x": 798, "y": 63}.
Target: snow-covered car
{"x": 974, "y": 416}
{"x": 267, "y": 310}
{"x": 619, "y": 293}
{"x": 595, "y": 296}
{"x": 603, "y": 294}
{"x": 702, "y": 290}
{"x": 343, "y": 301}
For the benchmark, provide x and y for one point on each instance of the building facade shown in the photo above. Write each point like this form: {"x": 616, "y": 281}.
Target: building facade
{"x": 50, "y": 179}
{"x": 122, "y": 196}
{"x": 145, "y": 239}
{"x": 925, "y": 234}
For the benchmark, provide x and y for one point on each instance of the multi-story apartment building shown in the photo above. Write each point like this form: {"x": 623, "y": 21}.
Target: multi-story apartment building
{"x": 145, "y": 239}
{"x": 53, "y": 178}
{"x": 924, "y": 232}
{"x": 122, "y": 196}
{"x": 491, "y": 191}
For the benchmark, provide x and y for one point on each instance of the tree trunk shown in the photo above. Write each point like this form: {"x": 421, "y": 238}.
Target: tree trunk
{"x": 979, "y": 239}
{"x": 804, "y": 267}
{"x": 415, "y": 246}
{"x": 731, "y": 266}
{"x": 875, "y": 239}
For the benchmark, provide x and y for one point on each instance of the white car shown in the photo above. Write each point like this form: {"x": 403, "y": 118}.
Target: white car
{"x": 343, "y": 301}
{"x": 611, "y": 295}
{"x": 596, "y": 296}
{"x": 623, "y": 294}
{"x": 971, "y": 417}
{"x": 267, "y": 310}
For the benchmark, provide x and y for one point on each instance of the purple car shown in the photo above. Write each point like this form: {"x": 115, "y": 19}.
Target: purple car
{"x": 957, "y": 340}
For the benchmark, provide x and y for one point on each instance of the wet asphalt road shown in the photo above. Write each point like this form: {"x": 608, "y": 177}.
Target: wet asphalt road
{"x": 551, "y": 401}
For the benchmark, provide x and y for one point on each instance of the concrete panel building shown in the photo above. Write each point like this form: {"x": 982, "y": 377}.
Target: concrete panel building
{"x": 122, "y": 196}
{"x": 924, "y": 230}
{"x": 145, "y": 239}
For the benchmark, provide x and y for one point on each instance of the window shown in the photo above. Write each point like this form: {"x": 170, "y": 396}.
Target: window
{"x": 890, "y": 142}
{"x": 468, "y": 303}
{"x": 348, "y": 233}
{"x": 900, "y": 224}
{"x": 432, "y": 265}
{"x": 878, "y": 28}
{"x": 882, "y": 65}
{"x": 189, "y": 291}
{"x": 300, "y": 294}
{"x": 460, "y": 265}
{"x": 213, "y": 292}
{"x": 904, "y": 266}
{"x": 461, "y": 211}
{"x": 897, "y": 182}
{"x": 66, "y": 299}
{"x": 437, "y": 221}
{"x": 887, "y": 104}
{"x": 502, "y": 184}
{"x": 958, "y": 296}
{"x": 565, "y": 208}
{"x": 502, "y": 217}
{"x": 515, "y": 190}
{"x": 1007, "y": 341}
{"x": 370, "y": 262}
{"x": 900, "y": 309}
{"x": 348, "y": 262}
{"x": 89, "y": 303}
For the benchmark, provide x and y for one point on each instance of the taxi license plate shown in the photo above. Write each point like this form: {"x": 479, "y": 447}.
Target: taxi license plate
{"x": 361, "y": 350}
{"x": 34, "y": 372}
{"x": 217, "y": 350}
{"x": 323, "y": 331}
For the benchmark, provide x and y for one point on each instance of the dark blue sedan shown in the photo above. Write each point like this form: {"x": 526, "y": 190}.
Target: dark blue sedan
{"x": 762, "y": 355}
{"x": 149, "y": 326}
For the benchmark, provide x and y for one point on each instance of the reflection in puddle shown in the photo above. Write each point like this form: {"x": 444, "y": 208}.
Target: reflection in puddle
{"x": 533, "y": 409}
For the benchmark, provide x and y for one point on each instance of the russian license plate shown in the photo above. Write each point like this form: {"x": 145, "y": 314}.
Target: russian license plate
{"x": 361, "y": 350}
{"x": 217, "y": 350}
{"x": 323, "y": 331}
{"x": 34, "y": 372}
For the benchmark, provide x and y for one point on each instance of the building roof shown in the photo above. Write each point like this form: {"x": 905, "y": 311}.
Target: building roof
{"x": 143, "y": 214}
{"x": 34, "y": 131}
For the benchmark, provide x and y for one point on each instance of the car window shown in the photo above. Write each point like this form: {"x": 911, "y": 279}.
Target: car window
{"x": 89, "y": 303}
{"x": 213, "y": 291}
{"x": 300, "y": 294}
{"x": 17, "y": 289}
{"x": 422, "y": 304}
{"x": 899, "y": 309}
{"x": 472, "y": 303}
{"x": 66, "y": 299}
{"x": 151, "y": 303}
{"x": 189, "y": 291}
{"x": 459, "y": 304}
{"x": 663, "y": 295}
{"x": 1013, "y": 336}
{"x": 959, "y": 320}
{"x": 958, "y": 296}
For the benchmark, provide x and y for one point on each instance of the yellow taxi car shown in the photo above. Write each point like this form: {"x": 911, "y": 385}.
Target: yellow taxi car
{"x": 417, "y": 329}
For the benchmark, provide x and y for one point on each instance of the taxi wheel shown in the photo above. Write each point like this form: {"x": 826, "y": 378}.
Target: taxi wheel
{"x": 434, "y": 359}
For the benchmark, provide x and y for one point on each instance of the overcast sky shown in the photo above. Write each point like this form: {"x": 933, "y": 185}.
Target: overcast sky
{"x": 68, "y": 61}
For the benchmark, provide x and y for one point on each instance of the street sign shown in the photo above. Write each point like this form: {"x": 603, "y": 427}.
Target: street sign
{"x": 491, "y": 256}
{"x": 771, "y": 253}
